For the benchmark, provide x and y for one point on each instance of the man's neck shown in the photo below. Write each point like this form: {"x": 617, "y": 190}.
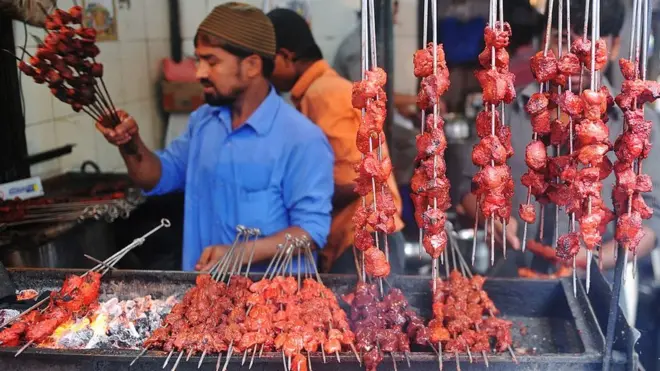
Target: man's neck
{"x": 250, "y": 100}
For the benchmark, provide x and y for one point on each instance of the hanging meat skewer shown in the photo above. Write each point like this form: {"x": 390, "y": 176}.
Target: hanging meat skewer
{"x": 375, "y": 168}
{"x": 544, "y": 68}
{"x": 633, "y": 145}
{"x": 429, "y": 183}
{"x": 66, "y": 61}
{"x": 493, "y": 183}
{"x": 591, "y": 144}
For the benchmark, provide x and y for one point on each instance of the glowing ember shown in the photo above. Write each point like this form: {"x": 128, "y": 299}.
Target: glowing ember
{"x": 7, "y": 315}
{"x": 115, "y": 324}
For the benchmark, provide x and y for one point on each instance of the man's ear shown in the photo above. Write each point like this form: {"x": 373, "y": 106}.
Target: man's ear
{"x": 616, "y": 47}
{"x": 287, "y": 54}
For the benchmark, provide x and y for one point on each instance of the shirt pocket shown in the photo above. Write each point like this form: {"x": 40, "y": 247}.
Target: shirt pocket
{"x": 255, "y": 194}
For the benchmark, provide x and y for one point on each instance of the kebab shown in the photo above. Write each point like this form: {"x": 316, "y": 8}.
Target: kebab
{"x": 375, "y": 168}
{"x": 277, "y": 313}
{"x": 383, "y": 326}
{"x": 633, "y": 145}
{"x": 77, "y": 297}
{"x": 493, "y": 183}
{"x": 458, "y": 324}
{"x": 429, "y": 183}
{"x": 65, "y": 60}
{"x": 589, "y": 113}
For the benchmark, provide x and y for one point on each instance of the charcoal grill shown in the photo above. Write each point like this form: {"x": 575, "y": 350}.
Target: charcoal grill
{"x": 563, "y": 331}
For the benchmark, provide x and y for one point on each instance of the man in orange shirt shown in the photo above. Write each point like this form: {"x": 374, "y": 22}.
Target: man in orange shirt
{"x": 325, "y": 98}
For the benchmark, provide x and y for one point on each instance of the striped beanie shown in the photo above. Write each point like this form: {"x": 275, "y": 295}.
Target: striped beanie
{"x": 242, "y": 26}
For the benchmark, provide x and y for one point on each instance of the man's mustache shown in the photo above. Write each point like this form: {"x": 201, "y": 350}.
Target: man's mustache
{"x": 206, "y": 83}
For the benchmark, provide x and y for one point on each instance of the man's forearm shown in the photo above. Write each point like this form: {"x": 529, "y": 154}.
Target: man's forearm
{"x": 143, "y": 167}
{"x": 266, "y": 248}
{"x": 607, "y": 250}
{"x": 343, "y": 196}
{"x": 469, "y": 206}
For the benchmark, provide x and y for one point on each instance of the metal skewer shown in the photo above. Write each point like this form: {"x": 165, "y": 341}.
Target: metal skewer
{"x": 229, "y": 353}
{"x": 218, "y": 362}
{"x": 167, "y": 360}
{"x": 201, "y": 359}
{"x": 254, "y": 352}
{"x": 144, "y": 350}
{"x": 178, "y": 360}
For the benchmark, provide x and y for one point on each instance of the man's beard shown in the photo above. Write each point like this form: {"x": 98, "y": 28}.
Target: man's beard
{"x": 216, "y": 100}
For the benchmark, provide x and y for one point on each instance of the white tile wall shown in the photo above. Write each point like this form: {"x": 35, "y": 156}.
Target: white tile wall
{"x": 132, "y": 68}
{"x": 131, "y": 71}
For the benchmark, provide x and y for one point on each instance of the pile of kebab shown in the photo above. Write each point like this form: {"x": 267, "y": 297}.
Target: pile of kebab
{"x": 77, "y": 297}
{"x": 66, "y": 61}
{"x": 633, "y": 145}
{"x": 375, "y": 215}
{"x": 275, "y": 314}
{"x": 493, "y": 183}
{"x": 458, "y": 324}
{"x": 384, "y": 325}
{"x": 429, "y": 183}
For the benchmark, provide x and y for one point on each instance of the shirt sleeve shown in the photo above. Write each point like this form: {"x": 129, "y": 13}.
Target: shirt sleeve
{"x": 308, "y": 187}
{"x": 173, "y": 164}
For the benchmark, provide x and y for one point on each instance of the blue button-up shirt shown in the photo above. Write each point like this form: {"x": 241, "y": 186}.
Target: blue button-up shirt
{"x": 271, "y": 173}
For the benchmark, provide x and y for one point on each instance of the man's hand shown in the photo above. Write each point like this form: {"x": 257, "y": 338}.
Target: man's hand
{"x": 511, "y": 233}
{"x": 210, "y": 256}
{"x": 122, "y": 133}
{"x": 511, "y": 227}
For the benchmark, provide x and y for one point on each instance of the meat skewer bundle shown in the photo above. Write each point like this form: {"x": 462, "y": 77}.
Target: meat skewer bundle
{"x": 376, "y": 216}
{"x": 544, "y": 66}
{"x": 493, "y": 183}
{"x": 429, "y": 183}
{"x": 430, "y": 186}
{"x": 66, "y": 61}
{"x": 458, "y": 324}
{"x": 633, "y": 145}
{"x": 77, "y": 297}
{"x": 275, "y": 314}
{"x": 552, "y": 179}
{"x": 583, "y": 197}
{"x": 383, "y": 326}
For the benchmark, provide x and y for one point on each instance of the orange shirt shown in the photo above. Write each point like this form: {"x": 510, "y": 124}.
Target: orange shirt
{"x": 325, "y": 98}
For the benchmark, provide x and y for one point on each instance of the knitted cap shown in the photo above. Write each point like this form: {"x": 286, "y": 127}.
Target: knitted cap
{"x": 243, "y": 26}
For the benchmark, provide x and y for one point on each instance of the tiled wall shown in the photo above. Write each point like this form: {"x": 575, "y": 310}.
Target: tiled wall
{"x": 132, "y": 66}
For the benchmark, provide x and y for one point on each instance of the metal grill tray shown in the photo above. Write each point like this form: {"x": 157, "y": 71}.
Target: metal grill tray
{"x": 561, "y": 330}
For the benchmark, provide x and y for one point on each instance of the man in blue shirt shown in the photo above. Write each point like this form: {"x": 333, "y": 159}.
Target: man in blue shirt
{"x": 247, "y": 157}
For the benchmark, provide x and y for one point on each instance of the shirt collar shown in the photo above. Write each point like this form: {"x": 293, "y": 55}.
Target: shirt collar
{"x": 261, "y": 120}
{"x": 312, "y": 73}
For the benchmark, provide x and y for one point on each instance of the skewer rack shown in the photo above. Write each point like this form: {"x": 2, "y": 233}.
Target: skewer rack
{"x": 563, "y": 332}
